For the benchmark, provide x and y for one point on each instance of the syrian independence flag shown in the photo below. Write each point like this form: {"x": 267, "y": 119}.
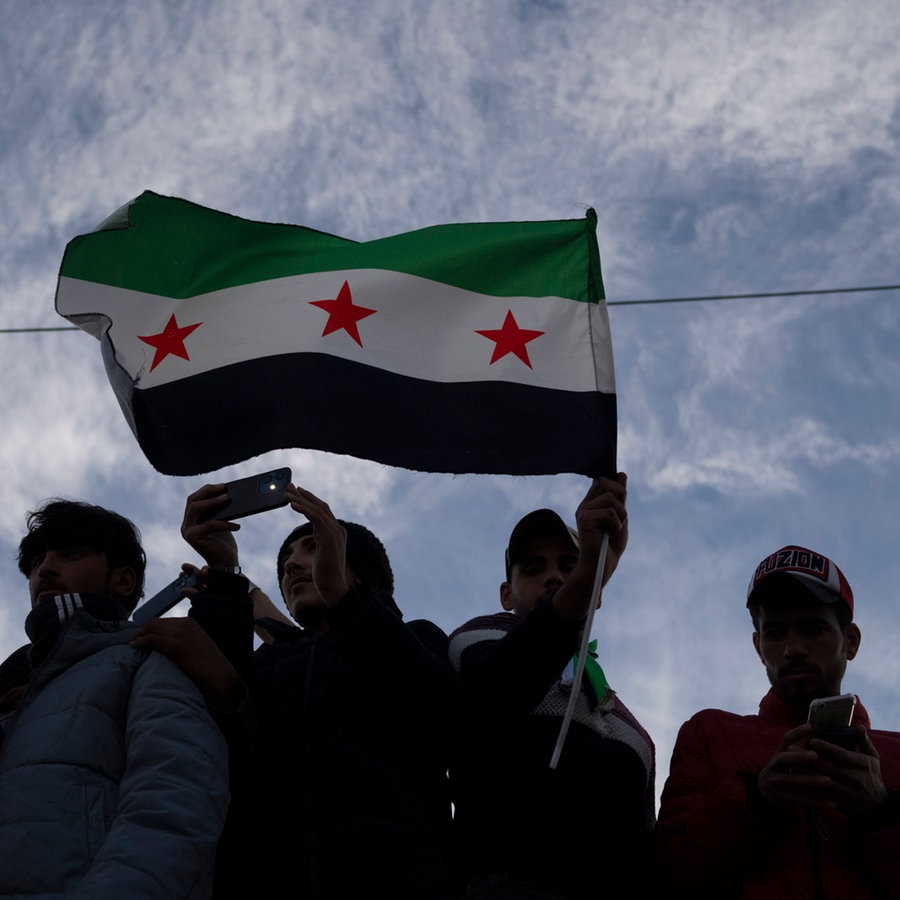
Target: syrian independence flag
{"x": 480, "y": 348}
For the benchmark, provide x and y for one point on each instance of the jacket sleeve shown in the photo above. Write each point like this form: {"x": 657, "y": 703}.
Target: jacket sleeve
{"x": 225, "y": 612}
{"x": 172, "y": 798}
{"x": 707, "y": 833}
{"x": 876, "y": 839}
{"x": 510, "y": 674}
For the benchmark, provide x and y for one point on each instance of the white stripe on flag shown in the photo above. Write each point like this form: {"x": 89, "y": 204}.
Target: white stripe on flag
{"x": 422, "y": 329}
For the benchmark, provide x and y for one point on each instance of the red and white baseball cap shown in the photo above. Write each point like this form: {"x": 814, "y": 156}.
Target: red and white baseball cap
{"x": 815, "y": 572}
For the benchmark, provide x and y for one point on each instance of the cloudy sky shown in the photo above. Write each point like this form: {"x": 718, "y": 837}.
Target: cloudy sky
{"x": 727, "y": 147}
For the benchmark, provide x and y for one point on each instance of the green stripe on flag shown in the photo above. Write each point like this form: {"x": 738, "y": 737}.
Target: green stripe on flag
{"x": 205, "y": 250}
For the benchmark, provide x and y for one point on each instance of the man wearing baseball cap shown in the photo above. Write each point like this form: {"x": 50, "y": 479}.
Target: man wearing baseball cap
{"x": 524, "y": 830}
{"x": 754, "y": 806}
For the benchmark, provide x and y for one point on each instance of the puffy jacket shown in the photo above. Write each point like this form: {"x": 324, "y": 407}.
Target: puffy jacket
{"x": 714, "y": 843}
{"x": 113, "y": 777}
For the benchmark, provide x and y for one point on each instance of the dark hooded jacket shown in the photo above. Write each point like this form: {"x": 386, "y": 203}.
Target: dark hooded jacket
{"x": 352, "y": 797}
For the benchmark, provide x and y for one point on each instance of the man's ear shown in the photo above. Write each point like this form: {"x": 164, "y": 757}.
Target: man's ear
{"x": 853, "y": 637}
{"x": 122, "y": 581}
{"x": 506, "y": 598}
{"x": 756, "y": 646}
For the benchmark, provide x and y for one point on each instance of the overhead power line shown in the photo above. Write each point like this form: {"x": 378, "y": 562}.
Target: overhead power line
{"x": 32, "y": 330}
{"x": 850, "y": 290}
{"x": 647, "y": 302}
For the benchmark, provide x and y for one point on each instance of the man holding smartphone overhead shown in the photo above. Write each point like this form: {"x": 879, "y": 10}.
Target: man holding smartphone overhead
{"x": 773, "y": 805}
{"x": 352, "y": 706}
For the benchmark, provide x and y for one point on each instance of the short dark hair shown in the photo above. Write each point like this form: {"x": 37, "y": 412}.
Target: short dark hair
{"x": 60, "y": 524}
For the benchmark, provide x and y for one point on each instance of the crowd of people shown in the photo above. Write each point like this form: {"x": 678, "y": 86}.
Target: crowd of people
{"x": 354, "y": 754}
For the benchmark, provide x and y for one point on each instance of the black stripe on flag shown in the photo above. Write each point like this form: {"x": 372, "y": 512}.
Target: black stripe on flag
{"x": 315, "y": 401}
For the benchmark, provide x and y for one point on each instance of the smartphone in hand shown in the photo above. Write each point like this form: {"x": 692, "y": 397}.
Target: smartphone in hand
{"x": 254, "y": 494}
{"x": 165, "y": 599}
{"x": 831, "y": 718}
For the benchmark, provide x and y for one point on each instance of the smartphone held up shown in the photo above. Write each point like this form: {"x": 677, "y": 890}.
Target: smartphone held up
{"x": 254, "y": 494}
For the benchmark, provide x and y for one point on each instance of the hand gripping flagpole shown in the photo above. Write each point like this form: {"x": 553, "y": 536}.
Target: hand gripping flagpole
{"x": 582, "y": 652}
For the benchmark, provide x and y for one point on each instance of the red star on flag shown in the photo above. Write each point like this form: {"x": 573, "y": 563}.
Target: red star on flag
{"x": 342, "y": 314}
{"x": 169, "y": 340}
{"x": 510, "y": 339}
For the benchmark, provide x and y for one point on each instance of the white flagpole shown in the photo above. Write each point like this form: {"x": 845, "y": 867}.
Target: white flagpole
{"x": 582, "y": 653}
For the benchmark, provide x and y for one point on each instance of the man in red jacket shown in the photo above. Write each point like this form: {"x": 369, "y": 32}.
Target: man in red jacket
{"x": 754, "y": 807}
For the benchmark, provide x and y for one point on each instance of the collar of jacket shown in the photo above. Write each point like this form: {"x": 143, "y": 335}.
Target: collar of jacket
{"x": 773, "y": 709}
{"x": 46, "y": 621}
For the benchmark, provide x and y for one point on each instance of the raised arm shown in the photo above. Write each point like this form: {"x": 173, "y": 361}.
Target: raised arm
{"x": 602, "y": 511}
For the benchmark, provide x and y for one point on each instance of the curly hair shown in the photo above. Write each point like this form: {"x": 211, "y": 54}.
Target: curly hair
{"x": 61, "y": 524}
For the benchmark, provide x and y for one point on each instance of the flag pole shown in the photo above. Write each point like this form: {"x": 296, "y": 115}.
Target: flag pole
{"x": 582, "y": 652}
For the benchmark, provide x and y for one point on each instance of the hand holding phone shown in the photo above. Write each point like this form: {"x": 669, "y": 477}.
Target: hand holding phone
{"x": 164, "y": 600}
